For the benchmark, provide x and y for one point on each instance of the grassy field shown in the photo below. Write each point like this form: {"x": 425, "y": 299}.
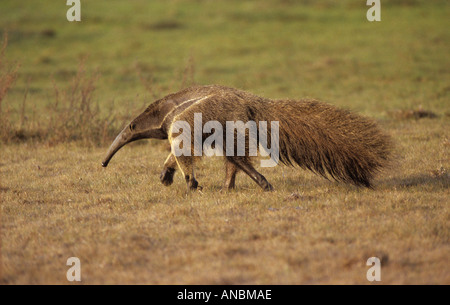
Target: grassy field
{"x": 78, "y": 84}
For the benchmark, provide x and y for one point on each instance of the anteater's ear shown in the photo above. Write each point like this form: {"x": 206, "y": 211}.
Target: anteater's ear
{"x": 167, "y": 107}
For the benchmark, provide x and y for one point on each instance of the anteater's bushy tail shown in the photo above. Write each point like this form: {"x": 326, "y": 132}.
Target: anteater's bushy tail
{"x": 329, "y": 141}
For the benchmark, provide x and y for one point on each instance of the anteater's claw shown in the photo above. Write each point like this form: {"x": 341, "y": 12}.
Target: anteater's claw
{"x": 167, "y": 176}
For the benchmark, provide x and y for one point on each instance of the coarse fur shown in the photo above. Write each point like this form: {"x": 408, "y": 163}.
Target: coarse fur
{"x": 326, "y": 140}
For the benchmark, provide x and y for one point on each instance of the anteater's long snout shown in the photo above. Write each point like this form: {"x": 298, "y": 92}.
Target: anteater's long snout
{"x": 123, "y": 138}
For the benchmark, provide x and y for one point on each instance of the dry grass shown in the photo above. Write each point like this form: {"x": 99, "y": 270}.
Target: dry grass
{"x": 126, "y": 227}
{"x": 58, "y": 202}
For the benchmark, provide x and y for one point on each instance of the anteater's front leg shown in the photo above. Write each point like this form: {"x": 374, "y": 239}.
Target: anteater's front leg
{"x": 186, "y": 166}
{"x": 169, "y": 169}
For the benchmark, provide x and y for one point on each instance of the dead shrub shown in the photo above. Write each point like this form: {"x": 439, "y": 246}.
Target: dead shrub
{"x": 8, "y": 75}
{"x": 406, "y": 114}
{"x": 74, "y": 115}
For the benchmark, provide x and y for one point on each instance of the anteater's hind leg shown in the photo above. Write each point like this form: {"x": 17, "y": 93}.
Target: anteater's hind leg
{"x": 245, "y": 165}
{"x": 230, "y": 175}
{"x": 169, "y": 169}
{"x": 186, "y": 166}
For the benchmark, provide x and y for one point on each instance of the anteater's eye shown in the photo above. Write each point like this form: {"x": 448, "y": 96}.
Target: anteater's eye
{"x": 132, "y": 127}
